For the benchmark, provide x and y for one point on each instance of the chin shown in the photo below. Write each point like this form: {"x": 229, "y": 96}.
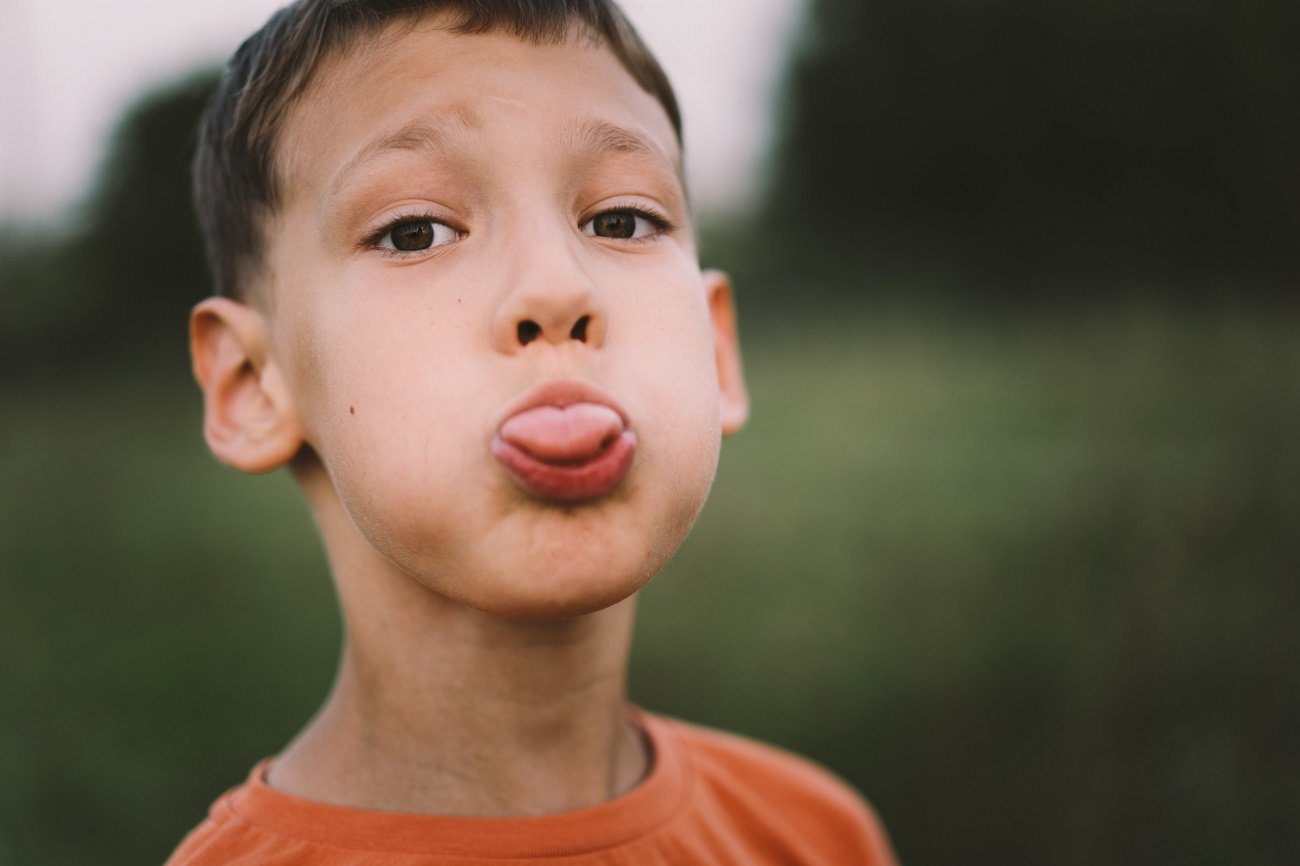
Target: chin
{"x": 559, "y": 584}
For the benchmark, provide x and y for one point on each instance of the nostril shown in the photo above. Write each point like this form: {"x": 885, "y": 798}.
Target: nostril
{"x": 579, "y": 331}
{"x": 528, "y": 331}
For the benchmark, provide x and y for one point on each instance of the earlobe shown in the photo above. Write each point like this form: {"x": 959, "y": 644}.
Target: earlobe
{"x": 249, "y": 420}
{"x": 726, "y": 347}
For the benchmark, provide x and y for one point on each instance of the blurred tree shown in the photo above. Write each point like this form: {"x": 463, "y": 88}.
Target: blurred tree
{"x": 1050, "y": 142}
{"x": 143, "y": 238}
{"x": 123, "y": 275}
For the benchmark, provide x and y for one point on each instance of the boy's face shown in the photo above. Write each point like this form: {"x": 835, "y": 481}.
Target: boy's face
{"x": 477, "y": 234}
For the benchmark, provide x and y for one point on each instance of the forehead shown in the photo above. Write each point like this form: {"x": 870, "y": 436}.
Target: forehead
{"x": 415, "y": 85}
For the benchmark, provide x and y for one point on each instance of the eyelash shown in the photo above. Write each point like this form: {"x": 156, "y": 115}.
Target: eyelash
{"x": 374, "y": 240}
{"x": 662, "y": 224}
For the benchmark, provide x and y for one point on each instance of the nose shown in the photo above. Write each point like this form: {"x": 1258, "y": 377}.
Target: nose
{"x": 552, "y": 300}
{"x": 528, "y": 330}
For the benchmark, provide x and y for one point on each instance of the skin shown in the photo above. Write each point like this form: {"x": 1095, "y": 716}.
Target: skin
{"x": 487, "y": 630}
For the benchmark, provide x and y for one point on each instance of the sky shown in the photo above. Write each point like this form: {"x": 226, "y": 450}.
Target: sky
{"x": 69, "y": 67}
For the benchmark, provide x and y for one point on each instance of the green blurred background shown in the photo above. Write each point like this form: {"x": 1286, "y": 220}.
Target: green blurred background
{"x": 1010, "y": 543}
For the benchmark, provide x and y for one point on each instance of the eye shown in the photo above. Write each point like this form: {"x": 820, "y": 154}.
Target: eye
{"x": 413, "y": 235}
{"x": 624, "y": 224}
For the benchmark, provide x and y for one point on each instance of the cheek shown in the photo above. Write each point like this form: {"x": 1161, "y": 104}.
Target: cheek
{"x": 392, "y": 425}
{"x": 379, "y": 361}
{"x": 681, "y": 403}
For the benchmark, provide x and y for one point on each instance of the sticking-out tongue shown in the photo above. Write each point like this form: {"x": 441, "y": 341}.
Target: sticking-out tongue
{"x": 571, "y": 434}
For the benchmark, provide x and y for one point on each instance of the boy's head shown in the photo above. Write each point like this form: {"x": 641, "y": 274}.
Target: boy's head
{"x": 239, "y": 173}
{"x": 462, "y": 297}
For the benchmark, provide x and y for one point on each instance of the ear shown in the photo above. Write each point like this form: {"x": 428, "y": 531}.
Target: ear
{"x": 726, "y": 348}
{"x": 248, "y": 417}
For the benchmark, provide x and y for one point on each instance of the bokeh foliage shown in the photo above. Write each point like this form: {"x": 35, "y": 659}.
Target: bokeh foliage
{"x": 1044, "y": 145}
{"x": 1024, "y": 572}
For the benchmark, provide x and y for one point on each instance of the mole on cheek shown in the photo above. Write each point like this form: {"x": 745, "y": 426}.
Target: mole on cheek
{"x": 352, "y": 410}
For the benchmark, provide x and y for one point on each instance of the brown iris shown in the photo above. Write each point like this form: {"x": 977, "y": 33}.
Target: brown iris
{"x": 413, "y": 236}
{"x": 614, "y": 224}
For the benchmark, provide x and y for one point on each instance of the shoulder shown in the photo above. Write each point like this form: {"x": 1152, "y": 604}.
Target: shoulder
{"x": 724, "y": 758}
{"x": 783, "y": 792}
{"x": 224, "y": 838}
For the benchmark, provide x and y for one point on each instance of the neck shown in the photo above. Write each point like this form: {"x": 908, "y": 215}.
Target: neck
{"x": 441, "y": 709}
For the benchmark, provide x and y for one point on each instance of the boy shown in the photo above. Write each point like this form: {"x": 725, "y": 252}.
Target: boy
{"x": 459, "y": 297}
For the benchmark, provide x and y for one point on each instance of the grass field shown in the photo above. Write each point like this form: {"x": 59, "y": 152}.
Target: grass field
{"x": 1029, "y": 581}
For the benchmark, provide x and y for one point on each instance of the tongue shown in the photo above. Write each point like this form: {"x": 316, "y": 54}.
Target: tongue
{"x": 563, "y": 435}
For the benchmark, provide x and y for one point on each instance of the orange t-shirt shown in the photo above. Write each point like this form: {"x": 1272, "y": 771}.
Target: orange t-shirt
{"x": 710, "y": 798}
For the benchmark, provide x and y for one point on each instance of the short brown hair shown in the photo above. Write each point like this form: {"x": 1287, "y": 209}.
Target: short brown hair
{"x": 236, "y": 186}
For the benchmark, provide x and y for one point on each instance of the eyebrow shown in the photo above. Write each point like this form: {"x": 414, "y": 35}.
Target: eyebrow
{"x": 595, "y": 136}
{"x": 420, "y": 135}
{"x": 602, "y": 136}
